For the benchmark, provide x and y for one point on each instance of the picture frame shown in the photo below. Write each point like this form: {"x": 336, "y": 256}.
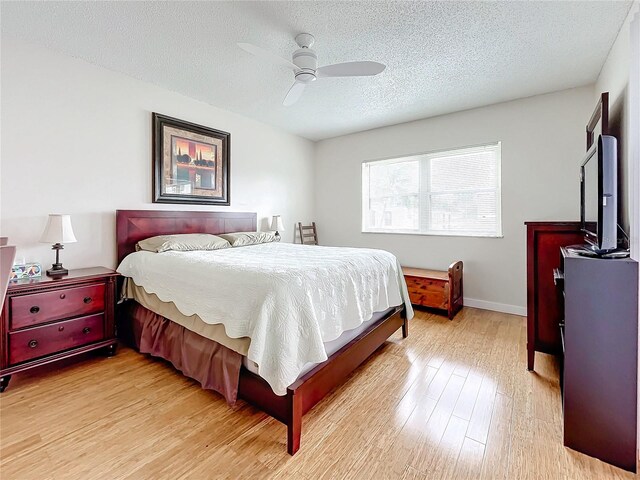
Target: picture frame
{"x": 191, "y": 163}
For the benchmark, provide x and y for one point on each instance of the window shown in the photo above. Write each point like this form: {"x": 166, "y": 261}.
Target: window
{"x": 454, "y": 192}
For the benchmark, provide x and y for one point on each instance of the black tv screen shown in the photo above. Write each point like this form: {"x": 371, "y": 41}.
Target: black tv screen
{"x": 598, "y": 185}
{"x": 591, "y": 196}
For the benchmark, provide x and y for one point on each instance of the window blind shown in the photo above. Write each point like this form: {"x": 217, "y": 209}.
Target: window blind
{"x": 453, "y": 192}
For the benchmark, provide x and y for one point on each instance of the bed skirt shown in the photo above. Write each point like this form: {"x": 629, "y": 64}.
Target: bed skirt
{"x": 215, "y": 366}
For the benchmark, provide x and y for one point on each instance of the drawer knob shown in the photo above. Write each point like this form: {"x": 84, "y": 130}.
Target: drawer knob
{"x": 60, "y": 328}
{"x": 62, "y": 296}
{"x": 87, "y": 300}
{"x": 33, "y": 343}
{"x": 35, "y": 309}
{"x": 86, "y": 330}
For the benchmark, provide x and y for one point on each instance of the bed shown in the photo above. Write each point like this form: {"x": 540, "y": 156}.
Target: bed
{"x": 285, "y": 393}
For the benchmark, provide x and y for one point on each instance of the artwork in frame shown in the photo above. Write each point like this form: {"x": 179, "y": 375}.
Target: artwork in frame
{"x": 190, "y": 163}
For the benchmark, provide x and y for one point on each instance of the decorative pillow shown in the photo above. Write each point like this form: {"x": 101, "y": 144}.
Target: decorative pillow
{"x": 184, "y": 242}
{"x": 241, "y": 239}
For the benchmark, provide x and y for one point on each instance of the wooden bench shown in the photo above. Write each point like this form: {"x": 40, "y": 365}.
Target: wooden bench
{"x": 436, "y": 288}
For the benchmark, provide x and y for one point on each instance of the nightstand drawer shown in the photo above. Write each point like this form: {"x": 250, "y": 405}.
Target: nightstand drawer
{"x": 40, "y": 341}
{"x": 38, "y": 308}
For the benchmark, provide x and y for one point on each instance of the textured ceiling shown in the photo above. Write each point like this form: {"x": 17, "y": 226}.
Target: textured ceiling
{"x": 441, "y": 57}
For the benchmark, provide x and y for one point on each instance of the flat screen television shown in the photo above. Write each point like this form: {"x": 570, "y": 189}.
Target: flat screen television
{"x": 599, "y": 195}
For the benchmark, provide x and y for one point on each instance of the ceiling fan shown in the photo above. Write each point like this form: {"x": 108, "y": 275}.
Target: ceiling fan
{"x": 304, "y": 64}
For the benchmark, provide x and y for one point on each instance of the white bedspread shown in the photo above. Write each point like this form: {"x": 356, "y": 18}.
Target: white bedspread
{"x": 288, "y": 299}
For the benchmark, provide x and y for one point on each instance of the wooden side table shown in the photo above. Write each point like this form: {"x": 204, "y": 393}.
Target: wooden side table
{"x": 48, "y": 319}
{"x": 436, "y": 288}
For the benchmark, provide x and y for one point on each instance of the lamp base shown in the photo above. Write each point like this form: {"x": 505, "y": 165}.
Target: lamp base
{"x": 57, "y": 270}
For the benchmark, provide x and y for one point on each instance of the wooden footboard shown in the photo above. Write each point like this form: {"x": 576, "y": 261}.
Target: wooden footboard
{"x": 317, "y": 383}
{"x": 310, "y": 388}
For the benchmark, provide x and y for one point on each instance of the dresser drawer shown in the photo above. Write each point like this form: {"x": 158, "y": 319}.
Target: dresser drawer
{"x": 56, "y": 337}
{"x": 38, "y": 308}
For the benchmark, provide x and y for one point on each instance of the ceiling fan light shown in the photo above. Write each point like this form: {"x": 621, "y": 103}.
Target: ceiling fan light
{"x": 305, "y": 76}
{"x": 305, "y": 58}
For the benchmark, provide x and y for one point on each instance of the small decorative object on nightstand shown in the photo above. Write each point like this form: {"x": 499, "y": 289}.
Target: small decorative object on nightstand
{"x": 277, "y": 225}
{"x": 435, "y": 288}
{"x": 58, "y": 231}
{"x": 26, "y": 270}
{"x": 52, "y": 318}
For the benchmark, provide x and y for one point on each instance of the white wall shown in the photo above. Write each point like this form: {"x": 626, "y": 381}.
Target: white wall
{"x": 542, "y": 142}
{"x": 614, "y": 78}
{"x": 634, "y": 136}
{"x": 76, "y": 138}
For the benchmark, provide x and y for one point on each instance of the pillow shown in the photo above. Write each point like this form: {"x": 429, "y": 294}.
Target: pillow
{"x": 241, "y": 239}
{"x": 184, "y": 242}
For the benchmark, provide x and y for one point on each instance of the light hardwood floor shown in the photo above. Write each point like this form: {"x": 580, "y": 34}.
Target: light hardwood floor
{"x": 454, "y": 400}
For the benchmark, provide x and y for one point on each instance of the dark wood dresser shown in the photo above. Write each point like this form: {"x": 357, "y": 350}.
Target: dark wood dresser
{"x": 47, "y": 319}
{"x": 545, "y": 308}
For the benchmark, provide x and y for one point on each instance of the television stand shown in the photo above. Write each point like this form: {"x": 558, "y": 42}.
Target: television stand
{"x": 600, "y": 364}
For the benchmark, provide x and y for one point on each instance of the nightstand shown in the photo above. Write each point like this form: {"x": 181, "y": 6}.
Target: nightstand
{"x": 48, "y": 319}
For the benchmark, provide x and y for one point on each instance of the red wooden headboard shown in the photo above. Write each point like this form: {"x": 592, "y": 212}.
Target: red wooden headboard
{"x": 135, "y": 225}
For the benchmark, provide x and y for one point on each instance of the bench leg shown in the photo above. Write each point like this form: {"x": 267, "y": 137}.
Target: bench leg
{"x": 294, "y": 422}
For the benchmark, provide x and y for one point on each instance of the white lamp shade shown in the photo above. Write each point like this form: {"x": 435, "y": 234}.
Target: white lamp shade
{"x": 276, "y": 223}
{"x": 58, "y": 230}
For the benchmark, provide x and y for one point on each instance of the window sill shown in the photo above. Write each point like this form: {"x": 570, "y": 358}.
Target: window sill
{"x": 436, "y": 234}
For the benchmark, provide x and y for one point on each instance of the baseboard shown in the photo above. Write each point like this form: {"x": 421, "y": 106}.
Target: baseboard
{"x": 496, "y": 307}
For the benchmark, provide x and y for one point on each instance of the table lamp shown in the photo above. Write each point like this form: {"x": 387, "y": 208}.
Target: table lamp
{"x": 58, "y": 231}
{"x": 277, "y": 225}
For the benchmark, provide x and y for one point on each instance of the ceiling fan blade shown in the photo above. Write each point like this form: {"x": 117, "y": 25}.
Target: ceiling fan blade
{"x": 351, "y": 69}
{"x": 294, "y": 94}
{"x": 267, "y": 55}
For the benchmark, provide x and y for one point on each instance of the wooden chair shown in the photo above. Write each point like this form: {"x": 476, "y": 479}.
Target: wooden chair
{"x": 308, "y": 234}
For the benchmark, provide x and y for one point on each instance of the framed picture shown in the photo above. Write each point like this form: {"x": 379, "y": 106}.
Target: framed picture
{"x": 190, "y": 163}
